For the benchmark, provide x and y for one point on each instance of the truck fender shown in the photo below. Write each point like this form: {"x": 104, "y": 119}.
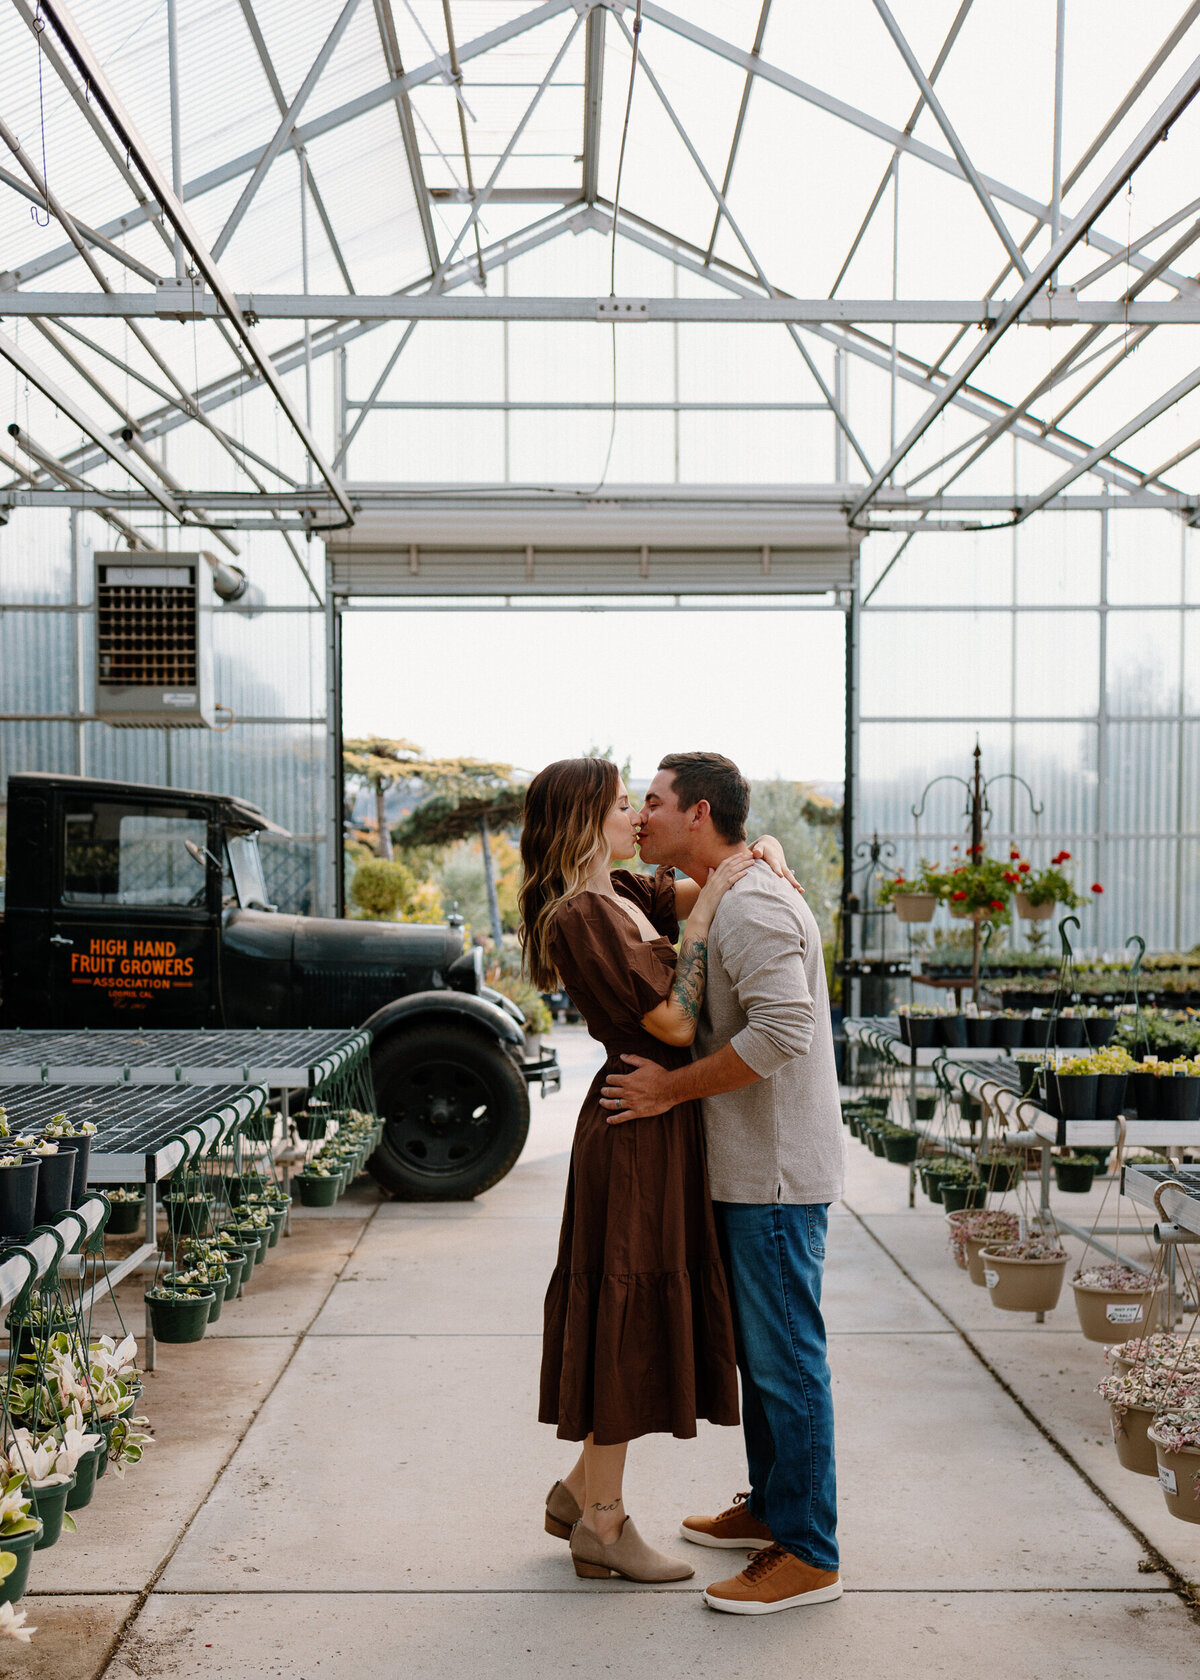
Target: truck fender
{"x": 457, "y": 1007}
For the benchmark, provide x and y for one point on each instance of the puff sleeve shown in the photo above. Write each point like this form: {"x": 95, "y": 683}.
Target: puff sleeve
{"x": 612, "y": 974}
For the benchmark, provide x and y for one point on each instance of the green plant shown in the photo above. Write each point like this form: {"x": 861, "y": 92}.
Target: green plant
{"x": 1048, "y": 885}
{"x": 381, "y": 888}
{"x": 527, "y": 998}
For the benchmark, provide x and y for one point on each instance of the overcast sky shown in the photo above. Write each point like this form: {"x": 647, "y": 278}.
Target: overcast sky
{"x": 527, "y": 688}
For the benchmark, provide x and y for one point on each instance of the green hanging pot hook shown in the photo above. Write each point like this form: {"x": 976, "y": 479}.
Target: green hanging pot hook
{"x": 1066, "y": 922}
{"x": 1136, "y": 939}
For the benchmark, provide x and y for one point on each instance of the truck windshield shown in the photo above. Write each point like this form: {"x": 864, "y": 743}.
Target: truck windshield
{"x": 117, "y": 853}
{"x": 245, "y": 864}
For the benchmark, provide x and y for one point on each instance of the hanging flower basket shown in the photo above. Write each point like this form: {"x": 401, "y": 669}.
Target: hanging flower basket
{"x": 12, "y": 1587}
{"x": 1074, "y": 1177}
{"x": 1000, "y": 1173}
{"x": 179, "y": 1315}
{"x": 915, "y": 907}
{"x": 85, "y": 1480}
{"x": 959, "y": 1194}
{"x": 188, "y": 1216}
{"x": 1115, "y": 1303}
{"x": 1029, "y": 912}
{"x": 1024, "y": 1277}
{"x": 317, "y": 1190}
{"x": 901, "y": 1147}
{"x": 49, "y": 1501}
{"x": 1176, "y": 1438}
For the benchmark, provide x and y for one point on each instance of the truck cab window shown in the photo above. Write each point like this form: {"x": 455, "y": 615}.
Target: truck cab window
{"x": 245, "y": 863}
{"x": 125, "y": 854}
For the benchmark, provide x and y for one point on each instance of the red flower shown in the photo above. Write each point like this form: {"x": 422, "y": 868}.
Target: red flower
{"x": 1014, "y": 854}
{"x": 1011, "y": 876}
{"x": 958, "y": 895}
{"x": 1024, "y": 868}
{"x": 995, "y": 905}
{"x": 1096, "y": 887}
{"x": 1064, "y": 857}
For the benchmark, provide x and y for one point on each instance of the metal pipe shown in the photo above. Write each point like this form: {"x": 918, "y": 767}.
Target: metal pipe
{"x": 1060, "y": 29}
{"x": 176, "y": 124}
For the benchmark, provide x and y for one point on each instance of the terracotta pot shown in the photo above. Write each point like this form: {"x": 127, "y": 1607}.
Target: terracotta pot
{"x": 1023, "y": 1285}
{"x": 1033, "y": 912}
{"x": 1115, "y": 1315}
{"x": 1177, "y": 1474}
{"x": 915, "y": 907}
{"x": 1134, "y": 1450}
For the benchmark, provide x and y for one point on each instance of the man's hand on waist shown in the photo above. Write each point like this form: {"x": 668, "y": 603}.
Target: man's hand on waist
{"x": 651, "y": 1089}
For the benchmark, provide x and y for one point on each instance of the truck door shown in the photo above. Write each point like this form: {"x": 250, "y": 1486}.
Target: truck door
{"x": 135, "y": 915}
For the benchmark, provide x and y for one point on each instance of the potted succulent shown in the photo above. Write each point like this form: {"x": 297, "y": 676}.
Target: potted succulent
{"x": 900, "y": 1145}
{"x": 213, "y": 1277}
{"x": 73, "y": 1136}
{"x": 49, "y": 1471}
{"x": 217, "y": 1257}
{"x": 18, "y": 1194}
{"x": 125, "y": 1202}
{"x": 971, "y": 1232}
{"x": 918, "y": 1025}
{"x": 189, "y": 1212}
{"x": 1176, "y": 1438}
{"x": 1134, "y": 1397}
{"x": 19, "y": 1534}
{"x": 1177, "y": 1353}
{"x": 1000, "y": 1172}
{"x": 1113, "y": 1298}
{"x": 179, "y": 1315}
{"x": 1166, "y": 1090}
{"x": 55, "y": 1179}
{"x": 1093, "y": 1087}
{"x": 1024, "y": 1276}
{"x": 319, "y": 1188}
{"x": 1074, "y": 1173}
{"x": 933, "y": 1169}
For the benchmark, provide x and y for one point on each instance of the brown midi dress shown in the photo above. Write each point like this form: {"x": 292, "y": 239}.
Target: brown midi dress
{"x": 638, "y": 1331}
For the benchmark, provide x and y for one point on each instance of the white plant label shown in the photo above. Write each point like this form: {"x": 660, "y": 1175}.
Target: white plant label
{"x": 990, "y": 1277}
{"x": 1166, "y": 1479}
{"x": 1124, "y": 1312}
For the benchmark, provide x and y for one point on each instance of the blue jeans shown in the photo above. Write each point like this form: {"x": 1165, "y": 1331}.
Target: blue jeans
{"x": 774, "y": 1255}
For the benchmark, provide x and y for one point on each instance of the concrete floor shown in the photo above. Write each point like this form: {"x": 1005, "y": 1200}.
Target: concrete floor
{"x": 348, "y": 1477}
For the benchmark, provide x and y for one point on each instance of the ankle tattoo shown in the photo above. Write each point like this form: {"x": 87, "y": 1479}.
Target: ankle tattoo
{"x": 596, "y": 1505}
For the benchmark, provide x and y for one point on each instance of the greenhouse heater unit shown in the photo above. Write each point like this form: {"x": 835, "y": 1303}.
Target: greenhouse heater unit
{"x": 154, "y": 665}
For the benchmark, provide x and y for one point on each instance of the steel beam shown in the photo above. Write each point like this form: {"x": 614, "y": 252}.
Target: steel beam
{"x": 1176, "y": 102}
{"x": 80, "y": 54}
{"x": 1062, "y": 310}
{"x": 956, "y": 146}
{"x": 740, "y": 123}
{"x": 408, "y": 133}
{"x": 593, "y": 100}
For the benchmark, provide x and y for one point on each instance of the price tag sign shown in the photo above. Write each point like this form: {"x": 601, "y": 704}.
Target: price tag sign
{"x": 1124, "y": 1312}
{"x": 990, "y": 1277}
{"x": 1166, "y": 1479}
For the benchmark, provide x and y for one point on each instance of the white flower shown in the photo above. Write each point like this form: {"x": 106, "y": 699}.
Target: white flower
{"x": 12, "y": 1622}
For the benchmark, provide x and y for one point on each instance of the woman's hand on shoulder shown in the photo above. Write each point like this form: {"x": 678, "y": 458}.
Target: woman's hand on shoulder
{"x": 770, "y": 851}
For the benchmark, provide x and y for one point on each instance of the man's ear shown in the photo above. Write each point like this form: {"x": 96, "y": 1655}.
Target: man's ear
{"x": 700, "y": 813}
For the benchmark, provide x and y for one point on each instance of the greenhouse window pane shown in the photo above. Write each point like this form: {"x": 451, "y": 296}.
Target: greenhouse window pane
{"x": 1143, "y": 663}
{"x": 1141, "y": 894}
{"x": 1189, "y": 804}
{"x": 935, "y": 664}
{"x": 1191, "y": 662}
{"x": 1141, "y": 788}
{"x": 1058, "y": 664}
{"x": 1059, "y": 763}
{"x": 954, "y": 568}
{"x": 1058, "y": 559}
{"x": 898, "y": 760}
{"x": 1144, "y": 557}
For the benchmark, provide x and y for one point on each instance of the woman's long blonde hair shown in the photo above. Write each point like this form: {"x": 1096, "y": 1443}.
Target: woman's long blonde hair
{"x": 566, "y": 805}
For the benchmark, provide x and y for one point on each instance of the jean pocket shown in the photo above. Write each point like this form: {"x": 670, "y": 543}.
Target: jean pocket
{"x": 815, "y": 1217}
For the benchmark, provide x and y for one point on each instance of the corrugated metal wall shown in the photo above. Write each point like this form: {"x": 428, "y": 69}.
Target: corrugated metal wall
{"x": 269, "y": 669}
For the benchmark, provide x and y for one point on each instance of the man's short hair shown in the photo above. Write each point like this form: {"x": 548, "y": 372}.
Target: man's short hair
{"x": 709, "y": 775}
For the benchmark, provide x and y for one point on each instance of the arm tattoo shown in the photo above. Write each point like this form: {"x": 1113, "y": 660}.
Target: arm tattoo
{"x": 688, "y": 990}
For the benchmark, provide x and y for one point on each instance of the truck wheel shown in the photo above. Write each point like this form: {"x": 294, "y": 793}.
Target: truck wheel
{"x": 456, "y": 1113}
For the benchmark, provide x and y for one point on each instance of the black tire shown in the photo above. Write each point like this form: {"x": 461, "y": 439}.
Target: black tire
{"x": 455, "y": 1111}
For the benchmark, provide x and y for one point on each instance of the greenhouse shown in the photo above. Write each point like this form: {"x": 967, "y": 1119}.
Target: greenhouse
{"x": 471, "y": 470}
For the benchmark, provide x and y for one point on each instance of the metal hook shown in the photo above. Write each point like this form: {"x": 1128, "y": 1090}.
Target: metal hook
{"x": 1068, "y": 953}
{"x": 1136, "y": 939}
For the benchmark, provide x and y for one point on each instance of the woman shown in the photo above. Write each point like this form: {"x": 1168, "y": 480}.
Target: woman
{"x": 638, "y": 1332}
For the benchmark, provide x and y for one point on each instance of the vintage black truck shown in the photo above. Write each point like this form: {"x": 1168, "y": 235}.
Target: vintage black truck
{"x": 144, "y": 906}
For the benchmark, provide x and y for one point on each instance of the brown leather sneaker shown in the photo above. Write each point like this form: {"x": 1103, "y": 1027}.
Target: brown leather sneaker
{"x": 773, "y": 1580}
{"x": 734, "y": 1529}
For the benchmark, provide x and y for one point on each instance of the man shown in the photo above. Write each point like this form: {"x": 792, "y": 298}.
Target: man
{"x": 766, "y": 1077}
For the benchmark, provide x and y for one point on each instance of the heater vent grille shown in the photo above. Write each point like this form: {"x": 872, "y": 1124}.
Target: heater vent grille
{"x": 146, "y": 635}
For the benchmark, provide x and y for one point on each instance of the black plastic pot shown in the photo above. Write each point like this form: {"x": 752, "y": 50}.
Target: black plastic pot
{"x": 56, "y": 1175}
{"x": 960, "y": 1193}
{"x": 980, "y": 1032}
{"x": 1037, "y": 1032}
{"x": 1074, "y": 1177}
{"x": 954, "y": 1031}
{"x": 21, "y": 1546}
{"x": 1179, "y": 1098}
{"x": 1076, "y": 1095}
{"x": 310, "y": 1127}
{"x": 999, "y": 1176}
{"x": 1110, "y": 1095}
{"x": 1008, "y": 1032}
{"x": 877, "y": 1143}
{"x": 1101, "y": 1030}
{"x": 970, "y": 1107}
{"x": 83, "y": 1152}
{"x": 1069, "y": 1032}
{"x": 18, "y": 1197}
{"x": 1029, "y": 1074}
{"x": 1048, "y": 1093}
{"x": 932, "y": 1184}
{"x": 124, "y": 1218}
{"x": 902, "y": 1150}
{"x": 926, "y": 1107}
